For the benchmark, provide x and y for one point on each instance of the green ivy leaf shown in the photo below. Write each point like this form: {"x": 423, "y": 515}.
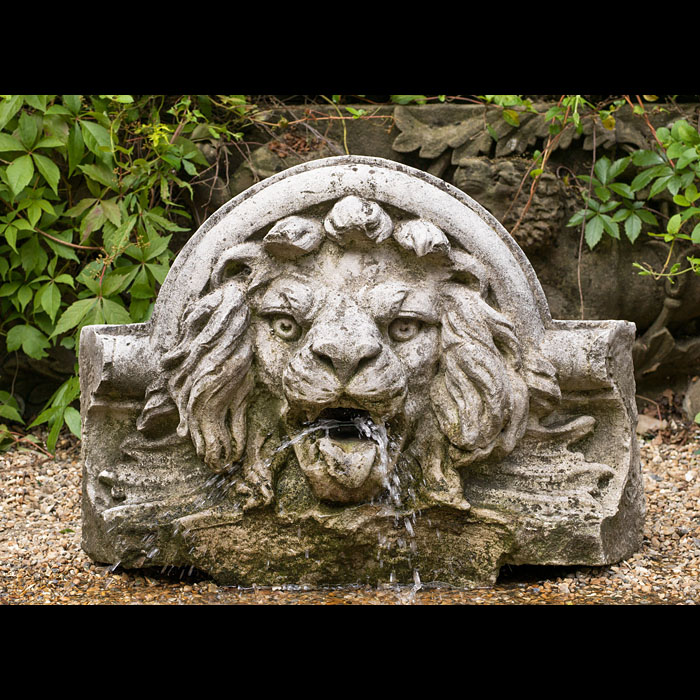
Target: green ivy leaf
{"x": 622, "y": 189}
{"x": 646, "y": 158}
{"x": 112, "y": 211}
{"x": 682, "y": 131}
{"x": 37, "y": 101}
{"x": 611, "y": 227}
{"x": 124, "y": 99}
{"x": 646, "y": 176}
{"x": 62, "y": 251}
{"x": 33, "y": 256}
{"x": 115, "y": 313}
{"x": 156, "y": 247}
{"x": 113, "y": 283}
{"x": 510, "y": 116}
{"x": 20, "y": 173}
{"x": 618, "y": 167}
{"x": 633, "y": 226}
{"x": 159, "y": 272}
{"x": 80, "y": 207}
{"x": 407, "y": 99}
{"x": 51, "y": 300}
{"x": 72, "y": 418}
{"x": 9, "y": 107}
{"x": 11, "y": 236}
{"x": 688, "y": 156}
{"x": 674, "y": 224}
{"x": 601, "y": 169}
{"x": 9, "y": 288}
{"x": 603, "y": 193}
{"x": 96, "y": 138}
{"x": 675, "y": 149}
{"x": 72, "y": 102}
{"x": 54, "y": 432}
{"x": 65, "y": 279}
{"x": 100, "y": 173}
{"x": 695, "y": 236}
{"x": 660, "y": 185}
{"x": 24, "y": 296}
{"x": 76, "y": 148}
{"x": 10, "y": 143}
{"x": 10, "y": 412}
{"x": 647, "y": 217}
{"x": 115, "y": 241}
{"x": 32, "y": 341}
{"x": 28, "y": 129}
{"x": 74, "y": 314}
{"x": 594, "y": 231}
{"x": 48, "y": 169}
{"x": 47, "y": 415}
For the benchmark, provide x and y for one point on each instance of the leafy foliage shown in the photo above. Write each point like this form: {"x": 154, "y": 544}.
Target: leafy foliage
{"x": 671, "y": 168}
{"x": 92, "y": 189}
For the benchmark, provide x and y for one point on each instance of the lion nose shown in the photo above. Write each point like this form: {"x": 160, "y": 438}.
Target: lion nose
{"x": 347, "y": 356}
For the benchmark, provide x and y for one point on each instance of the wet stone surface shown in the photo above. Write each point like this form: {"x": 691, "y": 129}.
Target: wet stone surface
{"x": 41, "y": 562}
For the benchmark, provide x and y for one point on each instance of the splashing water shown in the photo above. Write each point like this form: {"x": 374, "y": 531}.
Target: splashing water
{"x": 378, "y": 434}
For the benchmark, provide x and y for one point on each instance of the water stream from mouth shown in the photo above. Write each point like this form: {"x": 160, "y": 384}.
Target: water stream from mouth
{"x": 392, "y": 484}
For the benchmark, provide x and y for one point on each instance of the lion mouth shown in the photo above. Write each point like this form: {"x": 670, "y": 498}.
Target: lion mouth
{"x": 346, "y": 424}
{"x": 345, "y": 454}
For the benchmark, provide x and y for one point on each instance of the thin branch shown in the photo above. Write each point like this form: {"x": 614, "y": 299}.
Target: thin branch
{"x": 648, "y": 123}
{"x": 345, "y": 130}
{"x": 70, "y": 245}
{"x": 583, "y": 228}
{"x": 549, "y": 147}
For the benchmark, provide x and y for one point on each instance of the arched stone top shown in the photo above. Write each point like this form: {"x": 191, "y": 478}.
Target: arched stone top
{"x": 416, "y": 193}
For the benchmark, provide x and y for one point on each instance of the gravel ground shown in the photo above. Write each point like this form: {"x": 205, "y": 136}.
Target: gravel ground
{"x": 41, "y": 561}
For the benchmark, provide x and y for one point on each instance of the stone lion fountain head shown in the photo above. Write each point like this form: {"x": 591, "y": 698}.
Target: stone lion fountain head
{"x": 343, "y": 348}
{"x": 369, "y": 331}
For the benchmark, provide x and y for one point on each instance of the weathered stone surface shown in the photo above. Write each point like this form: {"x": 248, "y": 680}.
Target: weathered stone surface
{"x": 691, "y": 400}
{"x": 352, "y": 375}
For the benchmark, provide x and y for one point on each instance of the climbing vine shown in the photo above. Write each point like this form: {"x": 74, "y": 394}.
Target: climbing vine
{"x": 92, "y": 189}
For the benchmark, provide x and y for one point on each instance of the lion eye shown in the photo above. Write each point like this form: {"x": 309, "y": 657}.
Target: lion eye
{"x": 403, "y": 329}
{"x": 285, "y": 327}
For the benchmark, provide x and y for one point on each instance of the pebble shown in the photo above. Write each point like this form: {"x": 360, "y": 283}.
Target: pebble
{"x": 42, "y": 563}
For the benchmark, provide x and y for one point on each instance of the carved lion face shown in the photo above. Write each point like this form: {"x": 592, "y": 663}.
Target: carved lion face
{"x": 374, "y": 338}
{"x": 349, "y": 337}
